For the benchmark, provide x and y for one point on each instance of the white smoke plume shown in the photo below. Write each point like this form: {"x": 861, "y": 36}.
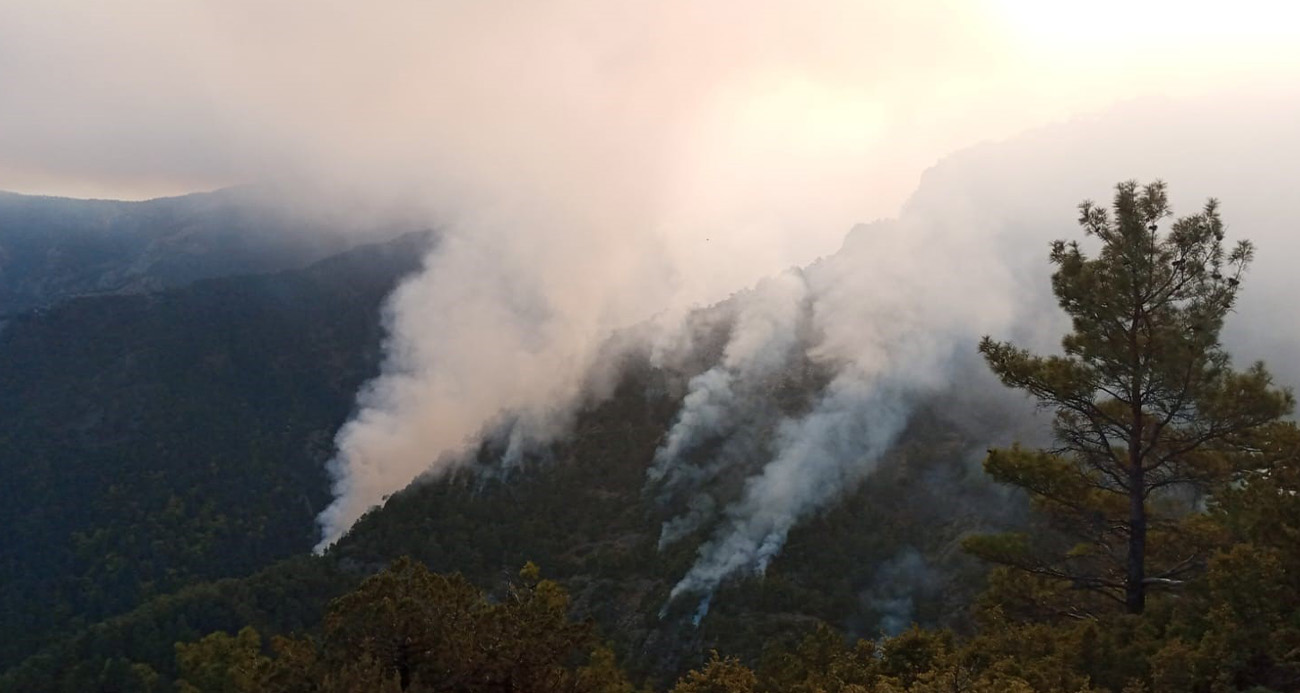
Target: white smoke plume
{"x": 889, "y": 324}
{"x": 820, "y": 455}
{"x": 592, "y": 166}
{"x": 725, "y": 400}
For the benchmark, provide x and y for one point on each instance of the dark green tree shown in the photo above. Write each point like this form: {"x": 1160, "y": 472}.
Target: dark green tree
{"x": 406, "y": 619}
{"x": 1238, "y": 627}
{"x": 718, "y": 676}
{"x": 409, "y": 629}
{"x": 222, "y": 663}
{"x": 1149, "y": 413}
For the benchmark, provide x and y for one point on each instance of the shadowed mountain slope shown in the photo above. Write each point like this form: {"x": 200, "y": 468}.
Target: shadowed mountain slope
{"x": 148, "y": 441}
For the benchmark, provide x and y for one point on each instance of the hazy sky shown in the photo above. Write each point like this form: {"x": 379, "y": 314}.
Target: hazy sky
{"x": 789, "y": 103}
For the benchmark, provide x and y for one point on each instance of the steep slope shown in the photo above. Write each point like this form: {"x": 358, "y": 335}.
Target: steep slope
{"x": 878, "y": 559}
{"x": 148, "y": 441}
{"x": 874, "y": 549}
{"x": 882, "y": 557}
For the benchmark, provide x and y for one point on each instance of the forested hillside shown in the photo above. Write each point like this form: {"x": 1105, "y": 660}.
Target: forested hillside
{"x": 929, "y": 575}
{"x": 884, "y": 557}
{"x": 150, "y": 441}
{"x": 277, "y": 358}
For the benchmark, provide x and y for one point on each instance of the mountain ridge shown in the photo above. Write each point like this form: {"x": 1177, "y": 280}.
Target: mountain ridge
{"x": 53, "y": 248}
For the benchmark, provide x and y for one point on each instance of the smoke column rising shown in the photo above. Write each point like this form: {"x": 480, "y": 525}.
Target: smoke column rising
{"x": 889, "y": 311}
{"x": 723, "y": 403}
{"x": 592, "y": 167}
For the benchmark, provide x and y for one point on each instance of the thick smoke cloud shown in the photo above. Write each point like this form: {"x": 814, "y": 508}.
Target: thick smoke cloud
{"x": 593, "y": 164}
{"x": 595, "y": 168}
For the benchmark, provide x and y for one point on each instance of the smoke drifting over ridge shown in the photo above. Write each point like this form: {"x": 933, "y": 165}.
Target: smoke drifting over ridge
{"x": 506, "y": 325}
{"x": 593, "y": 164}
{"x": 635, "y": 163}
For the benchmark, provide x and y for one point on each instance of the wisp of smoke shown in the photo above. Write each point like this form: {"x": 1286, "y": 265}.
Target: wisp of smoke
{"x": 897, "y": 583}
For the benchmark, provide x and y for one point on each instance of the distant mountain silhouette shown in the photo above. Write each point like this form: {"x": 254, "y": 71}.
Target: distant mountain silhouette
{"x": 53, "y": 248}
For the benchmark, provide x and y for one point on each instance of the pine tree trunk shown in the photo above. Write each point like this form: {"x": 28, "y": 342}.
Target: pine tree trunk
{"x": 1135, "y": 595}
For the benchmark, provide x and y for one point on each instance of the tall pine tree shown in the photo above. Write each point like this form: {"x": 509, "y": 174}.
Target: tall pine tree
{"x": 1149, "y": 413}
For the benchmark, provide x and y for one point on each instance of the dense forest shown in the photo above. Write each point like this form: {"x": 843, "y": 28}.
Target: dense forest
{"x": 1148, "y": 544}
{"x": 120, "y": 484}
